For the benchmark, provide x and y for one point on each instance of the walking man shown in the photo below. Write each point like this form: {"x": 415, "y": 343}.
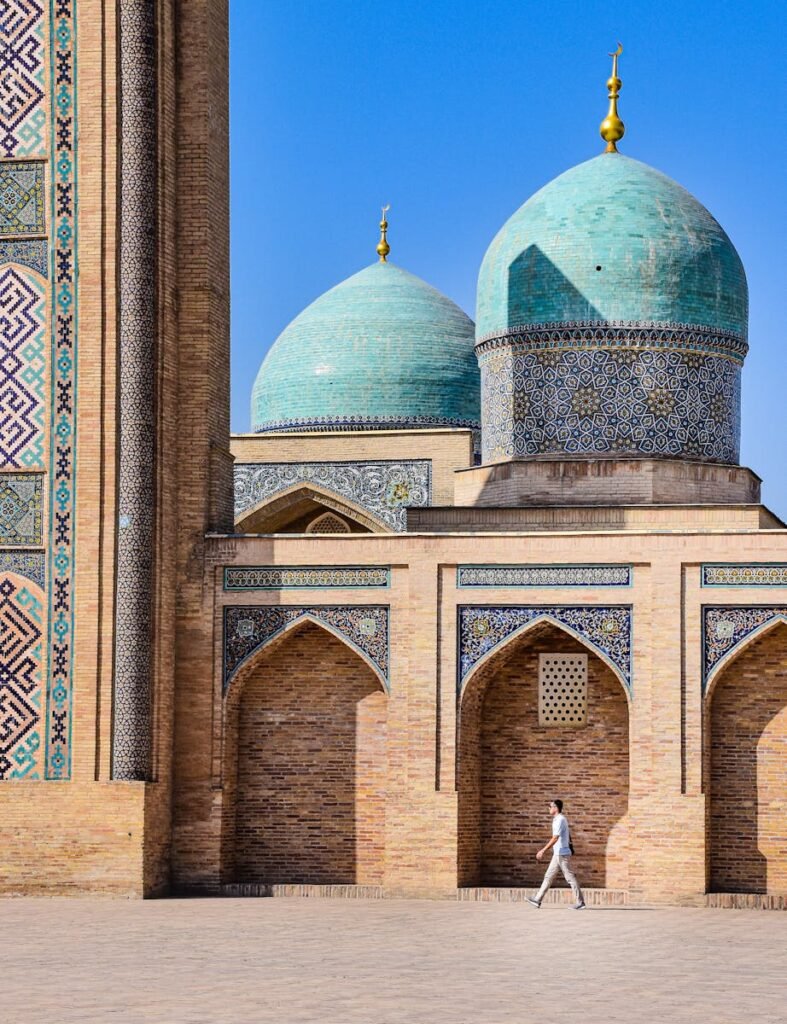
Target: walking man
{"x": 560, "y": 844}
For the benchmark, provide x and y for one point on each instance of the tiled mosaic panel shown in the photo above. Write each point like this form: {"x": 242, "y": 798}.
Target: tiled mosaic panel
{"x": 30, "y": 564}
{"x": 22, "y": 78}
{"x": 543, "y": 576}
{"x": 384, "y": 489}
{"x": 63, "y": 137}
{"x": 607, "y": 630}
{"x": 724, "y": 628}
{"x": 22, "y": 198}
{"x": 772, "y": 574}
{"x": 247, "y": 629}
{"x": 21, "y": 651}
{"x": 20, "y": 509}
{"x": 23, "y": 347}
{"x": 643, "y": 401}
{"x": 27, "y": 252}
{"x": 293, "y": 577}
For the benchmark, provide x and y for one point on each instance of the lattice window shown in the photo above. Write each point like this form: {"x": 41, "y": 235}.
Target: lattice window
{"x": 562, "y": 689}
{"x": 327, "y": 523}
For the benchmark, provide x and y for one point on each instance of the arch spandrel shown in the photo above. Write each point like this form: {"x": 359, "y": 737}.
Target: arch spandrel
{"x": 727, "y": 631}
{"x": 274, "y": 511}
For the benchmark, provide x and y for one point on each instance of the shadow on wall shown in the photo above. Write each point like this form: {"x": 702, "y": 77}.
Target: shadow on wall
{"x": 510, "y": 767}
{"x": 748, "y": 769}
{"x": 306, "y": 764}
{"x": 539, "y": 292}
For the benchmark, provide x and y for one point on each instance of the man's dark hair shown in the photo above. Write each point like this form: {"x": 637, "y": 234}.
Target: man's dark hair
{"x": 559, "y": 805}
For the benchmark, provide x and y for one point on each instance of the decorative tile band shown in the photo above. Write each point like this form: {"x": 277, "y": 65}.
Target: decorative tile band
{"x": 295, "y": 577}
{"x": 21, "y": 634}
{"x": 23, "y": 106}
{"x": 344, "y": 423}
{"x": 250, "y": 628}
{"x": 23, "y": 359}
{"x": 63, "y": 412}
{"x": 21, "y": 193}
{"x": 28, "y": 252}
{"x": 624, "y": 334}
{"x": 607, "y": 630}
{"x": 30, "y": 564}
{"x": 21, "y": 516}
{"x": 725, "y": 628}
{"x": 543, "y": 576}
{"x": 758, "y": 574}
{"x": 384, "y": 489}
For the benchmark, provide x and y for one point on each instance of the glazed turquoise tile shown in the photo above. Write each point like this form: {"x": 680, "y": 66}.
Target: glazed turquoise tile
{"x": 381, "y": 349}
{"x": 611, "y": 240}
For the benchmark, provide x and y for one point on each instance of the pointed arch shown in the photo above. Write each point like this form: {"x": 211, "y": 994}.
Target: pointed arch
{"x": 328, "y": 522}
{"x": 272, "y": 512}
{"x": 545, "y": 618}
{"x": 779, "y": 618}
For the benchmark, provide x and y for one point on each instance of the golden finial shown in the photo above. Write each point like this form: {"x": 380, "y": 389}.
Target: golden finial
{"x": 612, "y": 128}
{"x": 383, "y": 248}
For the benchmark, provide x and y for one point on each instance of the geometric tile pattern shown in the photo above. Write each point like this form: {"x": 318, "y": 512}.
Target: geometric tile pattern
{"x": 607, "y": 629}
{"x": 294, "y": 577}
{"x": 247, "y": 629}
{"x": 22, "y": 197}
{"x": 22, "y": 71}
{"x": 21, "y": 633}
{"x": 726, "y": 627}
{"x": 543, "y": 576}
{"x": 20, "y": 509}
{"x": 637, "y": 398}
{"x": 761, "y": 574}
{"x": 30, "y": 564}
{"x": 384, "y": 489}
{"x": 63, "y": 375}
{"x": 131, "y": 741}
{"x": 28, "y": 252}
{"x": 22, "y": 368}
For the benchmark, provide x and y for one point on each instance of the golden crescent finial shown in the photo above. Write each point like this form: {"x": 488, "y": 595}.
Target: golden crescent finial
{"x": 383, "y": 248}
{"x": 612, "y": 128}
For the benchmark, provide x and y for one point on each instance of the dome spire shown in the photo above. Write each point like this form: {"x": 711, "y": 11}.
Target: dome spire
{"x": 612, "y": 128}
{"x": 383, "y": 248}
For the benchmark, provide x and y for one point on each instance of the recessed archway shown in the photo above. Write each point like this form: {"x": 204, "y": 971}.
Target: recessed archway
{"x": 305, "y": 764}
{"x": 511, "y": 764}
{"x": 746, "y": 766}
{"x": 293, "y": 509}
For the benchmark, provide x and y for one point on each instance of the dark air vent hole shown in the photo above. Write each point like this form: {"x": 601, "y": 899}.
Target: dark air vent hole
{"x": 598, "y": 268}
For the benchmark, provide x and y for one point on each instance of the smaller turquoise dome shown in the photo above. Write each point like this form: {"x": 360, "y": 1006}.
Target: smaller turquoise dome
{"x": 383, "y": 349}
{"x": 613, "y": 240}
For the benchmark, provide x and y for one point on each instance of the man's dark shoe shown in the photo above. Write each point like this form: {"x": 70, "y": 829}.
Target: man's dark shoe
{"x": 577, "y": 906}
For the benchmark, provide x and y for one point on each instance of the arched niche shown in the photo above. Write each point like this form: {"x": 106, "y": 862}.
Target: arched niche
{"x": 292, "y": 510}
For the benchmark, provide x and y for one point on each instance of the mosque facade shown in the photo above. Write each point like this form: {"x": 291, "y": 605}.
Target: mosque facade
{"x": 453, "y": 570}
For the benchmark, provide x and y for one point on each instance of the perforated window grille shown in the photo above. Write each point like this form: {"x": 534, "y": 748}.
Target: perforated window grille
{"x": 327, "y": 523}
{"x": 562, "y": 689}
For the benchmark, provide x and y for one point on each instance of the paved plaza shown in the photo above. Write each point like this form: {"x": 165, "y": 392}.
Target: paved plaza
{"x": 386, "y": 962}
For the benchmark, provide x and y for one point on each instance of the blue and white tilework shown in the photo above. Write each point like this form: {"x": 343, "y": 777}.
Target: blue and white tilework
{"x": 739, "y": 574}
{"x": 248, "y": 629}
{"x": 543, "y": 576}
{"x": 384, "y": 489}
{"x": 29, "y": 564}
{"x": 296, "y": 577}
{"x": 21, "y": 515}
{"x": 607, "y": 630}
{"x": 725, "y": 628}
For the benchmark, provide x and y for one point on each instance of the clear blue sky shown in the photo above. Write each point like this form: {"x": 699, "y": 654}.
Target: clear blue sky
{"x": 454, "y": 112}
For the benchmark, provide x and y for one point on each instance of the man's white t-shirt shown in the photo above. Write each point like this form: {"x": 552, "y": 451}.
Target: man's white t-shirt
{"x": 560, "y": 828}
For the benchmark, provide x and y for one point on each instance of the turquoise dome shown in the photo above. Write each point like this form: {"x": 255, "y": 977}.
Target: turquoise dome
{"x": 383, "y": 349}
{"x": 611, "y": 240}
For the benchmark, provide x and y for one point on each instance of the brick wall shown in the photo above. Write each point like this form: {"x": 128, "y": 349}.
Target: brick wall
{"x": 510, "y": 769}
{"x": 311, "y": 756}
{"x": 748, "y": 770}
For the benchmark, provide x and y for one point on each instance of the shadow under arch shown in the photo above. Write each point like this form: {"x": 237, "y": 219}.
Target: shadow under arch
{"x": 304, "y": 762}
{"x": 279, "y": 510}
{"x": 509, "y": 766}
{"x": 744, "y": 763}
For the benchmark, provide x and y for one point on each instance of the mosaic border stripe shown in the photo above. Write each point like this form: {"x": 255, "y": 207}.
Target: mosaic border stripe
{"x": 249, "y": 628}
{"x": 607, "y": 629}
{"x": 305, "y": 577}
{"x": 62, "y": 481}
{"x": 726, "y": 628}
{"x": 544, "y": 575}
{"x": 744, "y": 574}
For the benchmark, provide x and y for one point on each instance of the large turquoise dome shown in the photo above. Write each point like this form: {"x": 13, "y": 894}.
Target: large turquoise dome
{"x": 611, "y": 240}
{"x": 612, "y": 316}
{"x": 383, "y": 349}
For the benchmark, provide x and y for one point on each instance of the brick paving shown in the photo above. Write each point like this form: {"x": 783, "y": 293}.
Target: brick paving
{"x": 387, "y": 962}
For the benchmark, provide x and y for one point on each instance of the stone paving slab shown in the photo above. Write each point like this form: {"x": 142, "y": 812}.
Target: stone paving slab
{"x": 292, "y": 961}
